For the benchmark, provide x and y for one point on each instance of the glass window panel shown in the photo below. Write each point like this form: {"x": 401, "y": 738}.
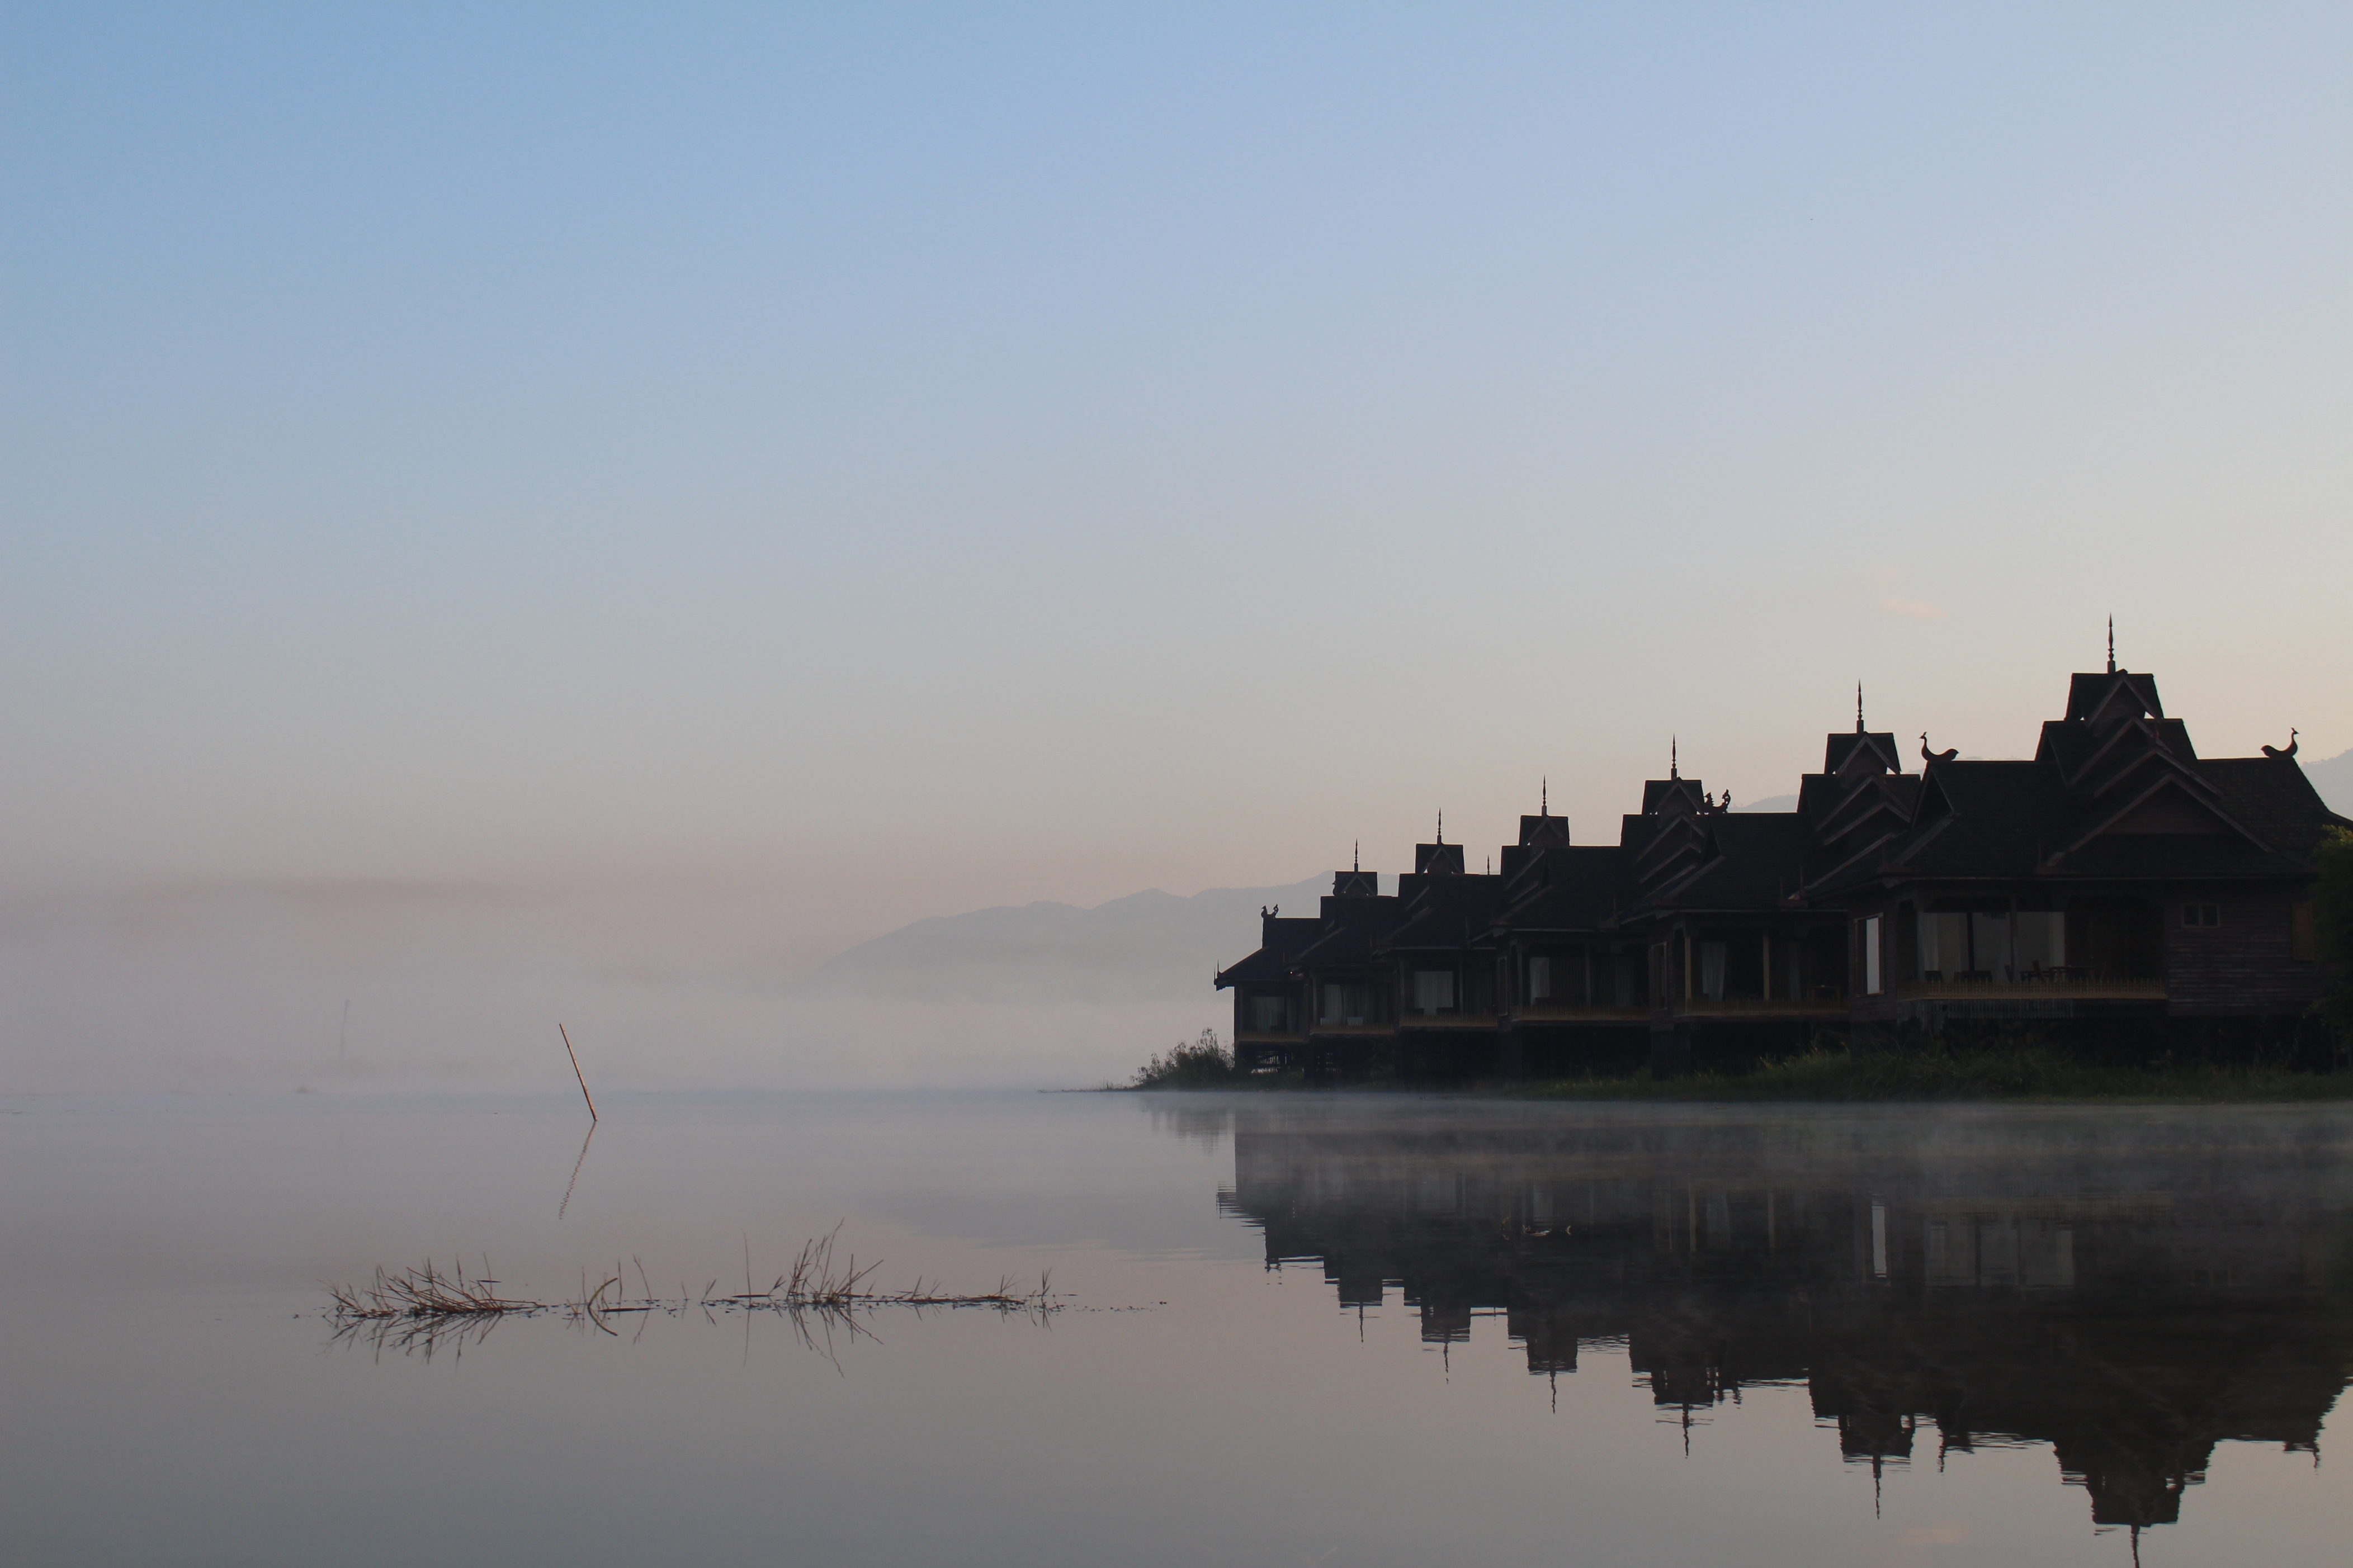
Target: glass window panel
{"x": 1944, "y": 945}
{"x": 1989, "y": 946}
{"x": 2040, "y": 941}
{"x": 1539, "y": 979}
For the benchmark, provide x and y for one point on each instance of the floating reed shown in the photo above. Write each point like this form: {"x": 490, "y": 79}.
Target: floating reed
{"x": 427, "y": 1307}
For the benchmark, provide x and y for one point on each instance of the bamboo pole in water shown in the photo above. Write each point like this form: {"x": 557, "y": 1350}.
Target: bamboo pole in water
{"x": 576, "y": 1073}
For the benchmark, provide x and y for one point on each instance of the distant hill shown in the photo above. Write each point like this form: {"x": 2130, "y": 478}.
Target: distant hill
{"x": 1771, "y": 803}
{"x": 1148, "y": 946}
{"x": 2334, "y": 779}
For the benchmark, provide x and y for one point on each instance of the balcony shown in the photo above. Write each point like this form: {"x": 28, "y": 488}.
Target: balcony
{"x": 1445, "y": 1018}
{"x": 1552, "y": 1011}
{"x": 2053, "y": 986}
{"x": 1759, "y": 1007}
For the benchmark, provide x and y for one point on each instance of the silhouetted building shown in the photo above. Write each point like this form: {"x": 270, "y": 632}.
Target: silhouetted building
{"x": 2117, "y": 889}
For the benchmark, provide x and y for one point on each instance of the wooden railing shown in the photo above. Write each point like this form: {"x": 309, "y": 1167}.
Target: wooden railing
{"x": 1760, "y": 1007}
{"x": 2034, "y": 988}
{"x": 1583, "y": 1012}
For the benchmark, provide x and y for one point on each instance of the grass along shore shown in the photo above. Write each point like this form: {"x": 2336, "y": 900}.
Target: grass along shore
{"x": 2022, "y": 1072}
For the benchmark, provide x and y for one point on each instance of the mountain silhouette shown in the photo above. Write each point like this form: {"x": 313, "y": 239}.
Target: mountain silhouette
{"x": 1149, "y": 946}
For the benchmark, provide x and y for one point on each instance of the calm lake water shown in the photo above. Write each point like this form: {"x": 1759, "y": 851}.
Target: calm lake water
{"x": 1299, "y": 1330}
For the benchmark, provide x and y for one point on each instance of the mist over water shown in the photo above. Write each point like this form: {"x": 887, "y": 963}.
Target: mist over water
{"x": 1386, "y": 1330}
{"x": 378, "y": 985}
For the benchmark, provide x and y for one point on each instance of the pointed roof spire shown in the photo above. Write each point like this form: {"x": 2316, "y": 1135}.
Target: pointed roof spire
{"x": 1674, "y": 767}
{"x": 1858, "y": 707}
{"x": 1356, "y": 857}
{"x": 1544, "y": 797}
{"x": 2112, "y": 645}
{"x": 1441, "y": 824}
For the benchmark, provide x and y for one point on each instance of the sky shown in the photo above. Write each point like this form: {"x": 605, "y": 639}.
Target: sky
{"x": 752, "y": 477}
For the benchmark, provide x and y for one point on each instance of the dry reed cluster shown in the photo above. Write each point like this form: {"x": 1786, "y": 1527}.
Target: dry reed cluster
{"x": 426, "y": 1308}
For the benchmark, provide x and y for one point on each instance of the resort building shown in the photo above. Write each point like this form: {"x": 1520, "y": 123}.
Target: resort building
{"x": 2117, "y": 889}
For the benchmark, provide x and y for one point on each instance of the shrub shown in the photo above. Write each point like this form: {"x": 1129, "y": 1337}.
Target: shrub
{"x": 1203, "y": 1064}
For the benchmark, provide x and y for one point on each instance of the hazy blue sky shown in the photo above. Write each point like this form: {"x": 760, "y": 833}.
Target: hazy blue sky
{"x": 870, "y": 462}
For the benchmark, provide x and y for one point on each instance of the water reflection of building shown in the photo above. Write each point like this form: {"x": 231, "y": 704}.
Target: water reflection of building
{"x": 1933, "y": 1280}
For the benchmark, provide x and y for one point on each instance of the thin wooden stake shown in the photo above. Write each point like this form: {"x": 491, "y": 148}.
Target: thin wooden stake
{"x": 576, "y": 1073}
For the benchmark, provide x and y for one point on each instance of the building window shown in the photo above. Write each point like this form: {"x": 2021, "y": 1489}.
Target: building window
{"x": 1711, "y": 971}
{"x": 1267, "y": 1015}
{"x": 1347, "y": 1003}
{"x": 2300, "y": 937}
{"x": 2203, "y": 916}
{"x": 1991, "y": 946}
{"x": 1944, "y": 946}
{"x": 2041, "y": 942}
{"x": 1539, "y": 979}
{"x": 1433, "y": 989}
{"x": 1870, "y": 976}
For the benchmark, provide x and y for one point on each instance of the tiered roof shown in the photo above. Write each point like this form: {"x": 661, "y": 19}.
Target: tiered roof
{"x": 2115, "y": 791}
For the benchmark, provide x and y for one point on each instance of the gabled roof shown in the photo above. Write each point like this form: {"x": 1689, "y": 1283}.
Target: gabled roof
{"x": 1582, "y": 890}
{"x": 1976, "y": 818}
{"x": 1282, "y": 937}
{"x": 1876, "y": 749}
{"x": 2255, "y": 817}
{"x": 1438, "y": 859}
{"x": 1448, "y": 913}
{"x": 1882, "y": 802}
{"x": 1544, "y": 830}
{"x": 1664, "y": 796}
{"x": 2271, "y": 797}
{"x": 1753, "y": 863}
{"x": 1263, "y": 965}
{"x": 1341, "y": 946}
{"x": 2100, "y": 697}
{"x": 2095, "y": 759}
{"x": 2168, "y": 805}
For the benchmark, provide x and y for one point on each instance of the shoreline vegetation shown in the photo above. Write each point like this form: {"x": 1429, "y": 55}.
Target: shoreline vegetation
{"x": 2019, "y": 1071}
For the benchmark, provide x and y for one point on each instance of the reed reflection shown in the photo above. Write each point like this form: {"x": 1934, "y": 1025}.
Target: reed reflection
{"x": 2130, "y": 1288}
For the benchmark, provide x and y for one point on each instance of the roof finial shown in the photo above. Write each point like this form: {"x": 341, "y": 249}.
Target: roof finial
{"x": 2112, "y": 645}
{"x": 1441, "y": 824}
{"x": 1673, "y": 766}
{"x": 1544, "y": 797}
{"x": 1858, "y": 707}
{"x": 1356, "y": 857}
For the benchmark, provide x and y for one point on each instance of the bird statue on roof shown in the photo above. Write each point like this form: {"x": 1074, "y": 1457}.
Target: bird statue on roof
{"x": 1928, "y": 756}
{"x": 2275, "y": 752}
